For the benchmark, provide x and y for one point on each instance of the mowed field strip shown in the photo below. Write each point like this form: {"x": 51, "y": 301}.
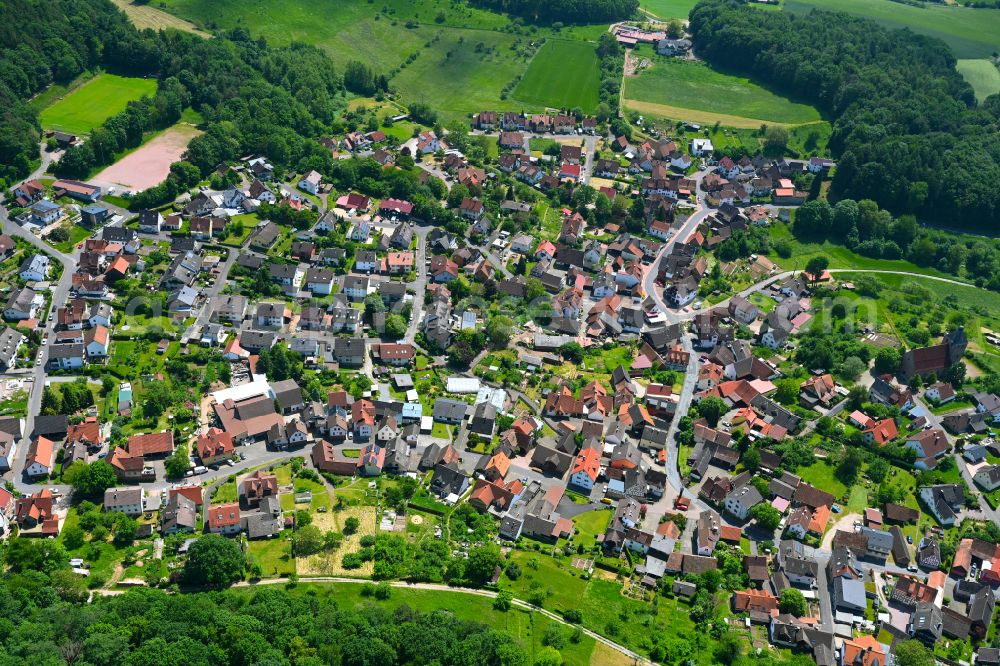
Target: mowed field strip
{"x": 971, "y": 33}
{"x": 687, "y": 90}
{"x": 94, "y": 102}
{"x": 562, "y": 74}
{"x": 982, "y": 75}
{"x": 147, "y": 16}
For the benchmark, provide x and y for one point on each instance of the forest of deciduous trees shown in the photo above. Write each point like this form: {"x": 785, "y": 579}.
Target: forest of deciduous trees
{"x": 906, "y": 128}
{"x": 564, "y": 11}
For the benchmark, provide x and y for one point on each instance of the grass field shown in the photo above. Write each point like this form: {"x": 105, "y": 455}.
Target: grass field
{"x": 667, "y": 9}
{"x": 457, "y": 76}
{"x": 562, "y": 74}
{"x": 971, "y": 33}
{"x": 94, "y": 102}
{"x": 687, "y": 90}
{"x": 839, "y": 256}
{"x": 982, "y": 75}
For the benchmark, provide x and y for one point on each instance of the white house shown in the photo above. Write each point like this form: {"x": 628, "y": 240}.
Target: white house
{"x": 96, "y": 342}
{"x": 41, "y": 455}
{"x": 361, "y": 232}
{"x": 586, "y": 469}
{"x": 355, "y": 286}
{"x": 319, "y": 280}
{"x": 124, "y": 500}
{"x": 310, "y": 182}
{"x": 35, "y": 268}
{"x": 67, "y": 356}
{"x": 988, "y": 477}
{"x": 150, "y": 221}
{"x": 740, "y": 501}
{"x": 702, "y": 147}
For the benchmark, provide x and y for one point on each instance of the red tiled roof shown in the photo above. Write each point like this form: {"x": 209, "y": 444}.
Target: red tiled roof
{"x": 151, "y": 443}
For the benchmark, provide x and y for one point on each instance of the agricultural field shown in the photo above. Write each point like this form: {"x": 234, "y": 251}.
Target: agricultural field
{"x": 95, "y": 101}
{"x": 971, "y": 33}
{"x": 668, "y": 9}
{"x": 460, "y": 58}
{"x": 692, "y": 91}
{"x": 562, "y": 74}
{"x": 982, "y": 75}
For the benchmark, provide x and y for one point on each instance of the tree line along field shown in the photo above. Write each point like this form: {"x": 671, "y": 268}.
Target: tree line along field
{"x": 971, "y": 33}
{"x": 462, "y": 57}
{"x": 688, "y": 90}
{"x": 95, "y": 101}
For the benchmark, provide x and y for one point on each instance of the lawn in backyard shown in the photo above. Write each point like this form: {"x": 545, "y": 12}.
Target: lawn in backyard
{"x": 821, "y": 474}
{"x": 591, "y": 524}
{"x": 971, "y": 33}
{"x": 982, "y": 75}
{"x": 77, "y": 234}
{"x": 273, "y": 555}
{"x": 226, "y": 492}
{"x": 691, "y": 90}
{"x": 563, "y": 74}
{"x": 95, "y": 101}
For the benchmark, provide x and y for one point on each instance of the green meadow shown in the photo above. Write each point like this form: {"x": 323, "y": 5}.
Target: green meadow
{"x": 689, "y": 90}
{"x": 982, "y": 75}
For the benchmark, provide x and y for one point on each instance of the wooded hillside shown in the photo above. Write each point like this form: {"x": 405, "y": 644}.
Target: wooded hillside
{"x": 907, "y": 130}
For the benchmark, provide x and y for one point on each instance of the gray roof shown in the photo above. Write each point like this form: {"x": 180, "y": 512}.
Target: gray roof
{"x": 450, "y": 410}
{"x": 849, "y": 592}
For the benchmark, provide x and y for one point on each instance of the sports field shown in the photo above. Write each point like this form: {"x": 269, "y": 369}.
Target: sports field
{"x": 94, "y": 102}
{"x": 971, "y": 33}
{"x": 982, "y": 75}
{"x": 687, "y": 90}
{"x": 562, "y": 74}
{"x": 149, "y": 164}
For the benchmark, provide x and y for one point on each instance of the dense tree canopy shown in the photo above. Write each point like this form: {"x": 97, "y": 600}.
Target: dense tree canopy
{"x": 564, "y": 11}
{"x": 907, "y": 130}
{"x": 47, "y": 624}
